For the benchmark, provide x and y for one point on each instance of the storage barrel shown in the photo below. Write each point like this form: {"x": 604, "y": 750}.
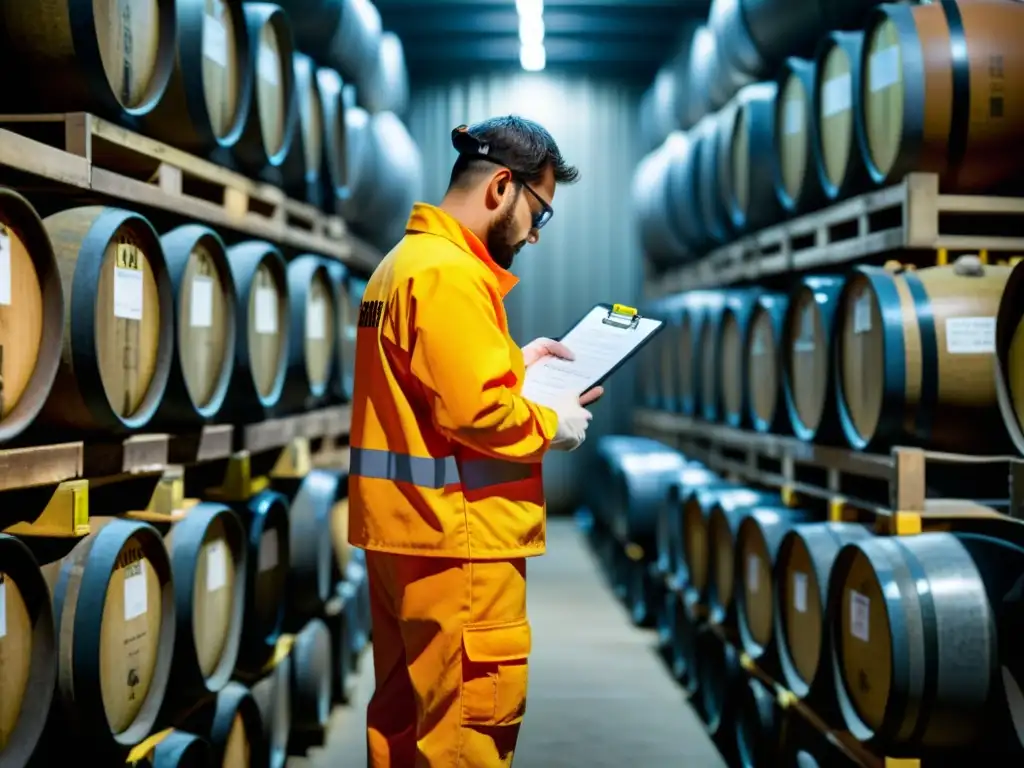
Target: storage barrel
{"x": 758, "y": 725}
{"x": 807, "y": 349}
{"x": 835, "y": 101}
{"x": 748, "y": 174}
{"x": 266, "y": 577}
{"x": 697, "y": 507}
{"x": 734, "y": 372}
{"x": 1009, "y": 357}
{"x": 766, "y": 406}
{"x": 209, "y": 94}
{"x": 720, "y": 678}
{"x": 312, "y": 334}
{"x": 273, "y": 116}
{"x": 311, "y": 680}
{"x": 737, "y": 51}
{"x": 662, "y": 242}
{"x": 205, "y": 325}
{"x": 272, "y": 695}
{"x": 354, "y": 49}
{"x": 119, "y": 310}
{"x": 659, "y": 109}
{"x": 339, "y": 535}
{"x": 233, "y": 727}
{"x": 31, "y": 315}
{"x": 208, "y": 550}
{"x": 334, "y": 175}
{"x": 261, "y": 309}
{"x": 915, "y": 357}
{"x": 311, "y": 555}
{"x": 915, "y": 637}
{"x": 693, "y": 477}
{"x": 688, "y": 377}
{"x": 115, "y": 613}
{"x": 28, "y": 653}
{"x": 180, "y": 749}
{"x": 954, "y": 111}
{"x": 710, "y": 184}
{"x": 359, "y": 161}
{"x": 344, "y": 319}
{"x": 106, "y": 56}
{"x": 387, "y": 89}
{"x": 702, "y": 70}
{"x": 796, "y": 181}
{"x": 671, "y": 310}
{"x": 305, "y": 162}
{"x": 713, "y": 363}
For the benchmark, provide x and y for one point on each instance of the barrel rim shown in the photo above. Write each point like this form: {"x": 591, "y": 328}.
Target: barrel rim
{"x": 790, "y": 674}
{"x": 23, "y": 216}
{"x": 178, "y": 244}
{"x": 305, "y": 72}
{"x": 855, "y": 173}
{"x": 338, "y": 273}
{"x": 329, "y": 84}
{"x": 750, "y": 645}
{"x": 803, "y": 69}
{"x": 753, "y": 101}
{"x": 774, "y": 304}
{"x": 890, "y": 417}
{"x": 750, "y": 696}
{"x": 306, "y": 639}
{"x": 21, "y": 566}
{"x": 189, "y": 537}
{"x": 266, "y": 505}
{"x": 912, "y": 130}
{"x": 300, "y": 274}
{"x": 712, "y": 313}
{"x": 719, "y": 700}
{"x": 181, "y": 748}
{"x": 85, "y": 360}
{"x": 740, "y": 305}
{"x": 1008, "y": 318}
{"x": 234, "y": 700}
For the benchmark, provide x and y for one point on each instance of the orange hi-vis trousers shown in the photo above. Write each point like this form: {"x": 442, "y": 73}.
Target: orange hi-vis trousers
{"x": 450, "y": 647}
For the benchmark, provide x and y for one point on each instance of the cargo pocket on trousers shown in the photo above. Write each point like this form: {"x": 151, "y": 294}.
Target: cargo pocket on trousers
{"x": 494, "y": 673}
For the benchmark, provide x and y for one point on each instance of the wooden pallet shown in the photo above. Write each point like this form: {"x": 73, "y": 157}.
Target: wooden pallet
{"x": 84, "y": 151}
{"x": 911, "y": 215}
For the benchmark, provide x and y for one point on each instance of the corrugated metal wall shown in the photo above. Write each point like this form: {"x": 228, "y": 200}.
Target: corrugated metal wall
{"x": 588, "y": 253}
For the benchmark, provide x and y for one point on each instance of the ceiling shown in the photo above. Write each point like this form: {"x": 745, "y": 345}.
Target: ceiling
{"x": 625, "y": 38}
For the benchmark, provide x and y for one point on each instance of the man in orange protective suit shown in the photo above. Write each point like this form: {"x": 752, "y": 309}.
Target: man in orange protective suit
{"x": 445, "y": 486}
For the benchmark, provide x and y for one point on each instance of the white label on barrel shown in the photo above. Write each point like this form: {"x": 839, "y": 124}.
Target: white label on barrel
{"x": 266, "y": 310}
{"x": 215, "y": 41}
{"x": 760, "y": 340}
{"x": 216, "y": 565}
{"x": 800, "y": 591}
{"x": 884, "y": 68}
{"x": 202, "y": 302}
{"x": 316, "y": 319}
{"x": 3, "y": 609}
{"x": 836, "y": 95}
{"x": 268, "y": 550}
{"x": 5, "y": 268}
{"x": 794, "y": 122}
{"x": 805, "y": 341}
{"x": 135, "y": 595}
{"x": 753, "y": 572}
{"x": 860, "y": 613}
{"x": 128, "y": 293}
{"x": 971, "y": 335}
{"x": 269, "y": 66}
{"x": 862, "y": 313}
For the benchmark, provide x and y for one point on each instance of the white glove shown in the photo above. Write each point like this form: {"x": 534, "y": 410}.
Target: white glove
{"x": 573, "y": 420}
{"x": 544, "y": 347}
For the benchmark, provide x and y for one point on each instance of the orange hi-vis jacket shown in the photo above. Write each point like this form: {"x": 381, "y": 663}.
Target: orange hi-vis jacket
{"x": 445, "y": 453}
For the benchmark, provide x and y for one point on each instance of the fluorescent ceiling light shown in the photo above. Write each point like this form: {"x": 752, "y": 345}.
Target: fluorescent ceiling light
{"x": 530, "y": 7}
{"x": 531, "y": 30}
{"x": 533, "y": 57}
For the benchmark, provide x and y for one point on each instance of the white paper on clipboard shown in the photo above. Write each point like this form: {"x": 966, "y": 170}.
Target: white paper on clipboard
{"x": 598, "y": 348}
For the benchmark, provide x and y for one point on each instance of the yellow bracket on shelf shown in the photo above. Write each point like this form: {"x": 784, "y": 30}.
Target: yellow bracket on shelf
{"x": 239, "y": 483}
{"x": 66, "y": 514}
{"x": 902, "y": 762}
{"x": 905, "y": 523}
{"x": 836, "y": 509}
{"x": 169, "y": 494}
{"x": 634, "y": 552}
{"x": 295, "y": 461}
{"x": 790, "y": 498}
{"x": 786, "y": 699}
{"x": 746, "y": 662}
{"x": 281, "y": 650}
{"x": 144, "y": 749}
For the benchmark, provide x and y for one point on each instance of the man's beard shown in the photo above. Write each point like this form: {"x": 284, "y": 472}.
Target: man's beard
{"x": 498, "y": 246}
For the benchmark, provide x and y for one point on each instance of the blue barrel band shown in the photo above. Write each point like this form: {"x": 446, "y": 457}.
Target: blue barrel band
{"x": 929, "y": 395}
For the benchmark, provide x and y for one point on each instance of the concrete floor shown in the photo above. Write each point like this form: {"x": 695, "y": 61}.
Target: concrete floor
{"x": 599, "y": 695}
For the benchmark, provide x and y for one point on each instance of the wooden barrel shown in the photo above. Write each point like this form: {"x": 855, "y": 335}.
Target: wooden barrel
{"x": 358, "y": 611}
{"x": 266, "y": 577}
{"x": 31, "y": 315}
{"x": 748, "y": 175}
{"x": 107, "y": 56}
{"x": 796, "y": 182}
{"x": 304, "y": 166}
{"x": 756, "y": 544}
{"x": 732, "y": 349}
{"x": 312, "y": 343}
{"x": 272, "y": 121}
{"x": 803, "y": 745}
{"x": 387, "y": 89}
{"x": 672, "y": 310}
{"x": 800, "y": 579}
{"x": 688, "y": 378}
{"x": 697, "y": 507}
{"x": 710, "y": 183}
{"x": 353, "y": 49}
{"x": 662, "y": 241}
{"x": 701, "y": 70}
{"x": 205, "y": 326}
{"x": 359, "y": 161}
{"x": 119, "y": 311}
{"x": 729, "y": 575}
{"x": 736, "y": 48}
{"x": 837, "y": 88}
{"x": 720, "y": 677}
{"x": 684, "y": 192}
{"x": 335, "y": 167}
{"x": 233, "y": 727}
{"x": 686, "y": 617}
{"x": 807, "y": 344}
{"x": 262, "y": 350}
{"x": 953, "y": 112}
{"x": 180, "y": 749}
{"x": 916, "y": 637}
{"x": 209, "y": 94}
{"x": 343, "y": 320}
{"x": 708, "y": 354}
{"x": 766, "y": 405}
{"x": 208, "y": 550}
{"x": 311, "y": 681}
{"x": 1010, "y": 357}
{"x": 915, "y": 357}
{"x": 758, "y": 725}
{"x": 272, "y": 695}
{"x": 27, "y": 652}
{"x": 311, "y": 553}
{"x": 693, "y": 475}
{"x": 115, "y": 611}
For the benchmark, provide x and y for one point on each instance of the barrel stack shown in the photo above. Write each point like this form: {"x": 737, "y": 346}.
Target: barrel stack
{"x": 838, "y": 383}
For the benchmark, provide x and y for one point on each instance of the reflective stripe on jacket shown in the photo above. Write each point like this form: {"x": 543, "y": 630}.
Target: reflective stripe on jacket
{"x": 445, "y": 454}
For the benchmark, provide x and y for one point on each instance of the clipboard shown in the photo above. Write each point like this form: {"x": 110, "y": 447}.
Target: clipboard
{"x": 603, "y": 340}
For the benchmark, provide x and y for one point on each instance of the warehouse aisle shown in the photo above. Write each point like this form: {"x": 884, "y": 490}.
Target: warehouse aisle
{"x": 599, "y": 695}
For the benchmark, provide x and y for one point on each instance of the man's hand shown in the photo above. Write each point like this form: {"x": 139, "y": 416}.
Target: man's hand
{"x": 543, "y": 347}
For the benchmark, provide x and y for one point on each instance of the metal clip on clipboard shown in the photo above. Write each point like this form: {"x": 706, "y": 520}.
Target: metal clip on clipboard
{"x": 622, "y": 311}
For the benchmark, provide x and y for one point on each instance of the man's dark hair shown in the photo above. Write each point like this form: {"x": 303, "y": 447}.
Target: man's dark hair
{"x": 521, "y": 145}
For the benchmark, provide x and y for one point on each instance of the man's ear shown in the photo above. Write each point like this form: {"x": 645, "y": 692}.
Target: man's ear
{"x": 497, "y": 187}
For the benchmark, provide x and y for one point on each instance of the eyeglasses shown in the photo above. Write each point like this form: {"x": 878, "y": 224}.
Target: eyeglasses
{"x": 543, "y": 216}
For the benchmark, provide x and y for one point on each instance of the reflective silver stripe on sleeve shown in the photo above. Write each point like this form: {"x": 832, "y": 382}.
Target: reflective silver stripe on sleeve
{"x": 429, "y": 472}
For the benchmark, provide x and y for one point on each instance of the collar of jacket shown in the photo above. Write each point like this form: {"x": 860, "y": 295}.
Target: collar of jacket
{"x": 432, "y": 220}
